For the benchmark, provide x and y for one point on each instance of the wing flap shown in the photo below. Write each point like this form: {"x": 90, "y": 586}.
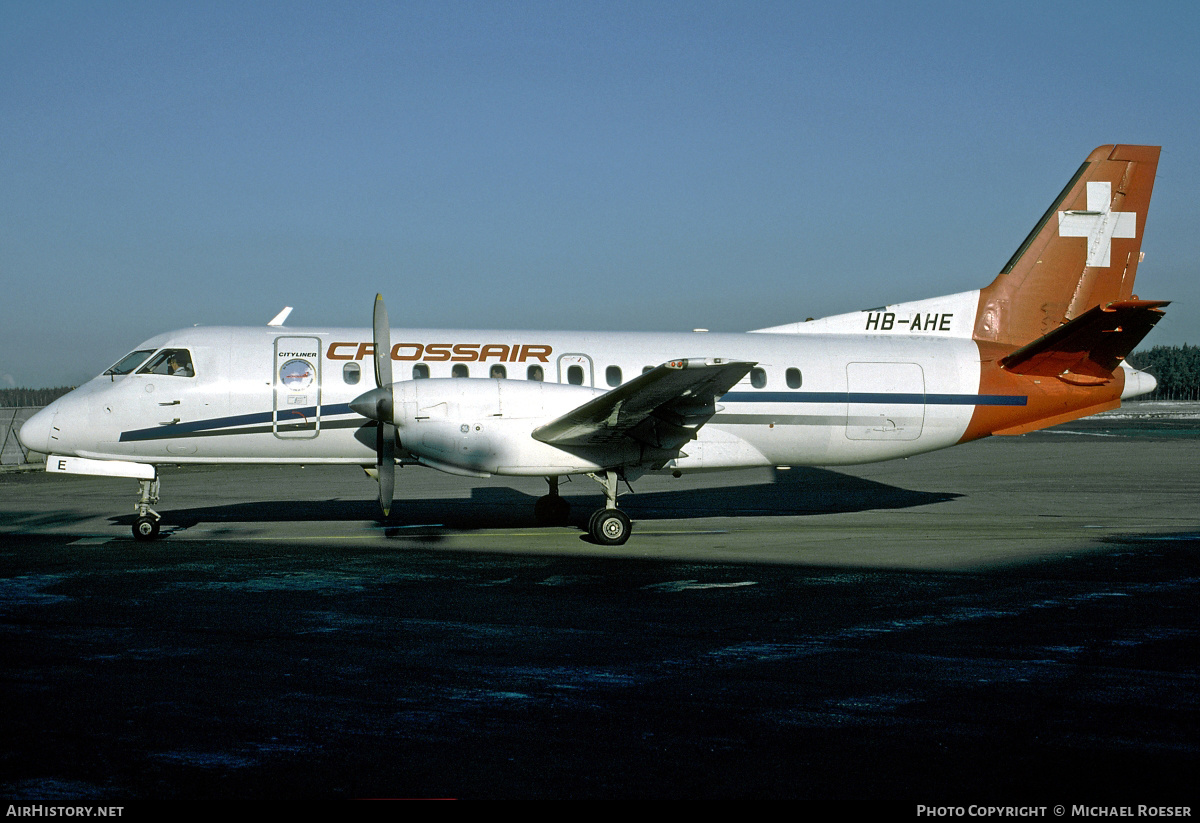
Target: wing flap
{"x": 662, "y": 408}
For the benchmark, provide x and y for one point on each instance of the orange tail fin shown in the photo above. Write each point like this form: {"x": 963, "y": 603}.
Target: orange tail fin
{"x": 1083, "y": 253}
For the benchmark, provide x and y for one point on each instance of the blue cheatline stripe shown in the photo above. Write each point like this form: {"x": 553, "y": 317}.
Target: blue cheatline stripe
{"x": 183, "y": 429}
{"x": 875, "y": 397}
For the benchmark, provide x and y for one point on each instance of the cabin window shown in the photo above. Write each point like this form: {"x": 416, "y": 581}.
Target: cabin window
{"x": 171, "y": 362}
{"x": 420, "y": 371}
{"x": 130, "y": 361}
{"x": 460, "y": 370}
{"x": 351, "y": 373}
{"x": 535, "y": 373}
{"x": 758, "y": 378}
{"x": 613, "y": 375}
{"x": 575, "y": 375}
{"x": 498, "y": 372}
{"x": 794, "y": 379}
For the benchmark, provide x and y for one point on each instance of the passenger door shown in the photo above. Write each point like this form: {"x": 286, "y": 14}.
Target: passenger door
{"x": 296, "y": 410}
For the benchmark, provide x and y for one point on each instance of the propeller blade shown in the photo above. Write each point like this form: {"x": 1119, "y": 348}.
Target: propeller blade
{"x": 383, "y": 344}
{"x": 377, "y": 405}
{"x": 385, "y": 447}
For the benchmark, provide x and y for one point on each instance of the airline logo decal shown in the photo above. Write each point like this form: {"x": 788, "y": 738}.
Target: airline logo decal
{"x": 438, "y": 352}
{"x": 296, "y": 374}
{"x": 1099, "y": 224}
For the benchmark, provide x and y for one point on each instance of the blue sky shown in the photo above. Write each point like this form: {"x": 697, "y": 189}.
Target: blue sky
{"x": 649, "y": 166}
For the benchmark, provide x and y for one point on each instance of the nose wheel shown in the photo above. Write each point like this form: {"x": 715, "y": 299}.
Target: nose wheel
{"x": 145, "y": 526}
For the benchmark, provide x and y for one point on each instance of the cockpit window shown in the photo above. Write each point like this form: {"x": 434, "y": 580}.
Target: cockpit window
{"x": 176, "y": 362}
{"x": 130, "y": 361}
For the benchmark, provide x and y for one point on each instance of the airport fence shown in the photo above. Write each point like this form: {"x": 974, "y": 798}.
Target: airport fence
{"x": 12, "y": 453}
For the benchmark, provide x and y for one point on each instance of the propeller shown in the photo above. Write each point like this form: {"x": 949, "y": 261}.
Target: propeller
{"x": 377, "y": 405}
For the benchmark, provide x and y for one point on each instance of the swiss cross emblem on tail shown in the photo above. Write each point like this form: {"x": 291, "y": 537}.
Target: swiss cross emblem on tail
{"x": 1099, "y": 224}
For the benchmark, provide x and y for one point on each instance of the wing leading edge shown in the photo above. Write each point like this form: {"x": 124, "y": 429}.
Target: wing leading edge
{"x": 662, "y": 408}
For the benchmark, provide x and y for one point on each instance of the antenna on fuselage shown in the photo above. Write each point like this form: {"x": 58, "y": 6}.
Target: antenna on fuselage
{"x": 278, "y": 319}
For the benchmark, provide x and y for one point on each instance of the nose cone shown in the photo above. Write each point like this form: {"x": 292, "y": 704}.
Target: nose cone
{"x": 35, "y": 433}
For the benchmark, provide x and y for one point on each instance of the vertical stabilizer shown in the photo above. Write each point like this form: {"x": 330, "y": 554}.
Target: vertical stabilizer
{"x": 1083, "y": 253}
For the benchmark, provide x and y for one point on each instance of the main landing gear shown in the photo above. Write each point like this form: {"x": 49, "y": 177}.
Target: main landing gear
{"x": 608, "y": 526}
{"x": 145, "y": 526}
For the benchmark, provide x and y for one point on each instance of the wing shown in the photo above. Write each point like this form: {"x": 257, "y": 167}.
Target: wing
{"x": 662, "y": 408}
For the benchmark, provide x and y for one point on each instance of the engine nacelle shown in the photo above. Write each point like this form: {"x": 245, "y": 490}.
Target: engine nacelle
{"x": 480, "y": 426}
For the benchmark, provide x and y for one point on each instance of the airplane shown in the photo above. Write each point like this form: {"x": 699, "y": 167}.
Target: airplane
{"x": 1044, "y": 343}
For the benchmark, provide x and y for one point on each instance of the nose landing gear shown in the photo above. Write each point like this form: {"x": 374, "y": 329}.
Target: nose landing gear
{"x": 145, "y": 526}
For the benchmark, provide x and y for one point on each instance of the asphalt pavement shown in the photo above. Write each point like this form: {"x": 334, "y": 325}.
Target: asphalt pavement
{"x": 1012, "y": 622}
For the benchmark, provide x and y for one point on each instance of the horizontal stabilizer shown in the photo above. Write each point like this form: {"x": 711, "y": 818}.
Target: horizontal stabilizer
{"x": 662, "y": 408}
{"x": 1092, "y": 345}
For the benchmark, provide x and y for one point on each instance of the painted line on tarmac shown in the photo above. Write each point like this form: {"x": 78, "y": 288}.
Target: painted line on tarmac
{"x": 447, "y": 533}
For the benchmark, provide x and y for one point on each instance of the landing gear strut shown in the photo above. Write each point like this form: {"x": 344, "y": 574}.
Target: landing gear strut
{"x": 609, "y": 526}
{"x": 552, "y": 510}
{"x": 145, "y": 526}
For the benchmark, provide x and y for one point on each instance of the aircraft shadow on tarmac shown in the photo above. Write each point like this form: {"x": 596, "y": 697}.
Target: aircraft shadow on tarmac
{"x": 795, "y": 492}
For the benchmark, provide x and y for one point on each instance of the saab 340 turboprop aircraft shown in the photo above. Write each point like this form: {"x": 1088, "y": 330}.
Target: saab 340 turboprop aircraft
{"x": 1043, "y": 344}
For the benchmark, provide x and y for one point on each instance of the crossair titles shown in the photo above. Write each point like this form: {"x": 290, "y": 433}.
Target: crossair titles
{"x": 441, "y": 352}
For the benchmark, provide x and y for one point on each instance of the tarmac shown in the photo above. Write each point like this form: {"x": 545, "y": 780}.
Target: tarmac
{"x": 1012, "y": 622}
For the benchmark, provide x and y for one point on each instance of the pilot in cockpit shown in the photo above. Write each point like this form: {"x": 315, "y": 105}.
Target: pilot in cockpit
{"x": 180, "y": 364}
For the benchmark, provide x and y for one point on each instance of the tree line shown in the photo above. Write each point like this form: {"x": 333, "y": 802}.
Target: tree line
{"x": 1177, "y": 369}
{"x": 31, "y": 397}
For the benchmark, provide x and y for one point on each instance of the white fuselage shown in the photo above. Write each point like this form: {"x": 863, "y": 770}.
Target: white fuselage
{"x": 819, "y": 399}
